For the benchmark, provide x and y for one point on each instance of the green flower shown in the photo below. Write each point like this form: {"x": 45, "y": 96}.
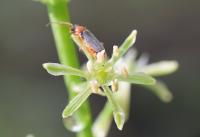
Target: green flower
{"x": 110, "y": 76}
{"x": 122, "y": 96}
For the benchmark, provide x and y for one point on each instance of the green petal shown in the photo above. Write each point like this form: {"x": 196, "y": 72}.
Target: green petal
{"x": 58, "y": 70}
{"x": 76, "y": 102}
{"x": 73, "y": 124}
{"x": 162, "y": 91}
{"x": 128, "y": 43}
{"x": 123, "y": 97}
{"x": 119, "y": 115}
{"x": 138, "y": 78}
{"x": 160, "y": 68}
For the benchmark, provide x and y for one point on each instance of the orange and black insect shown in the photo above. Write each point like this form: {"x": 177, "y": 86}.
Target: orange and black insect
{"x": 85, "y": 37}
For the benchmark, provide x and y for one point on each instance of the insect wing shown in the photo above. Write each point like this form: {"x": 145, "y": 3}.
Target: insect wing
{"x": 93, "y": 41}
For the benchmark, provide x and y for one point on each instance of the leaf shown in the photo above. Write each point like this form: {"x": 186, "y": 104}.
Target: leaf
{"x": 162, "y": 91}
{"x": 138, "y": 78}
{"x": 160, "y": 68}
{"x": 58, "y": 70}
{"x": 76, "y": 102}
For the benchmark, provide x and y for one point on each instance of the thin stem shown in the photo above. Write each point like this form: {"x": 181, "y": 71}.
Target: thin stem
{"x": 103, "y": 122}
{"x": 58, "y": 11}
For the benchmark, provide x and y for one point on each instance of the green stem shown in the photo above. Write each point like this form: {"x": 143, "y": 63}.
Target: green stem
{"x": 58, "y": 11}
{"x": 103, "y": 122}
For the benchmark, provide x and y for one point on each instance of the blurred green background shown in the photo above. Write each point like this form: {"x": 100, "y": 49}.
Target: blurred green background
{"x": 31, "y": 101}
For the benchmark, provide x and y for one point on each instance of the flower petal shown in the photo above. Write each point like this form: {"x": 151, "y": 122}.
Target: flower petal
{"x": 138, "y": 78}
{"x": 59, "y": 69}
{"x": 162, "y": 91}
{"x": 160, "y": 68}
{"x": 118, "y": 113}
{"x": 129, "y": 41}
{"x": 76, "y": 102}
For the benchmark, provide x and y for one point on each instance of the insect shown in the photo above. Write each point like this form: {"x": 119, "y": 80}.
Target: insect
{"x": 84, "y": 38}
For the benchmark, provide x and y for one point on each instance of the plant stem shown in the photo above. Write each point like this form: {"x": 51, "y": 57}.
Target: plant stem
{"x": 103, "y": 122}
{"x": 58, "y": 11}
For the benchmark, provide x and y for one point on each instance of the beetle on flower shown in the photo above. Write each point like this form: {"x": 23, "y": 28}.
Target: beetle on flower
{"x": 101, "y": 77}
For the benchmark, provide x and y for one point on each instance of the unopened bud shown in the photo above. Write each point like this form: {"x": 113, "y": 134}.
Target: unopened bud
{"x": 124, "y": 72}
{"x": 94, "y": 86}
{"x": 114, "y": 85}
{"x": 115, "y": 51}
{"x": 89, "y": 66}
{"x": 101, "y": 56}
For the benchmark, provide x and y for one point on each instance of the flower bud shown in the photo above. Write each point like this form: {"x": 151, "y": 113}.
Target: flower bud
{"x": 124, "y": 72}
{"x": 115, "y": 51}
{"x": 101, "y": 56}
{"x": 94, "y": 86}
{"x": 114, "y": 85}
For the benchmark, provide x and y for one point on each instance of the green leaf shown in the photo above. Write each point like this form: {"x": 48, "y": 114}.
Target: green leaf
{"x": 160, "y": 68}
{"x": 162, "y": 91}
{"x": 129, "y": 41}
{"x": 76, "y": 102}
{"x": 119, "y": 115}
{"x": 58, "y": 70}
{"x": 138, "y": 78}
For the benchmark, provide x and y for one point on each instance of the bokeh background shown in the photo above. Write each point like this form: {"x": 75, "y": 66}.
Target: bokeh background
{"x": 31, "y": 101}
